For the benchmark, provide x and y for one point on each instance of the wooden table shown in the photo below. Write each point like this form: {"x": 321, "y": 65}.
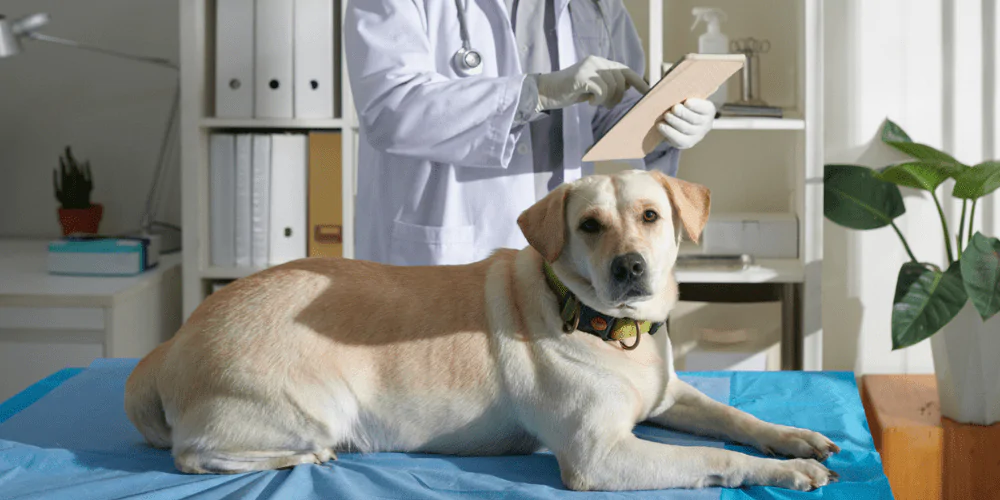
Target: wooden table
{"x": 925, "y": 456}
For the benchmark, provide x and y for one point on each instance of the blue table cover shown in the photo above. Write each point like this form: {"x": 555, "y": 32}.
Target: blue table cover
{"x": 67, "y": 437}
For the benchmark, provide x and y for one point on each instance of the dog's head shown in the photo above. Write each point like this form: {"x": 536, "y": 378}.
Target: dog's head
{"x": 613, "y": 240}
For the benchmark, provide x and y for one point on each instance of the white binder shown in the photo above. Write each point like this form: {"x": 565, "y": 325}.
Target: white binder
{"x": 261, "y": 199}
{"x": 234, "y": 75}
{"x": 273, "y": 58}
{"x": 314, "y": 35}
{"x": 222, "y": 200}
{"x": 289, "y": 168}
{"x": 244, "y": 154}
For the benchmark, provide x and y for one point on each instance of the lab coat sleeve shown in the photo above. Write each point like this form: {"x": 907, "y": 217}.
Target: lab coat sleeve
{"x": 627, "y": 49}
{"x": 409, "y": 109}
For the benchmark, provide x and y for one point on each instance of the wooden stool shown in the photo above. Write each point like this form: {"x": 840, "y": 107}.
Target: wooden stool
{"x": 927, "y": 457}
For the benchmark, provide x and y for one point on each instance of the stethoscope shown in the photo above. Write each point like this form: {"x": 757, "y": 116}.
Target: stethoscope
{"x": 469, "y": 62}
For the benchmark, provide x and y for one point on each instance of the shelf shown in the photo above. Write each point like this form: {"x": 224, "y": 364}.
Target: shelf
{"x": 275, "y": 123}
{"x": 790, "y": 123}
{"x": 763, "y": 271}
{"x": 337, "y": 123}
{"x": 228, "y": 273}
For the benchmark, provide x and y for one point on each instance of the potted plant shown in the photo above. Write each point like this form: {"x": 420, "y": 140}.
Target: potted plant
{"x": 957, "y": 300}
{"x": 73, "y": 184}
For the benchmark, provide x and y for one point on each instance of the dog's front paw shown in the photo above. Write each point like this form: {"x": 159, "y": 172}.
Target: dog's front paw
{"x": 795, "y": 442}
{"x": 802, "y": 474}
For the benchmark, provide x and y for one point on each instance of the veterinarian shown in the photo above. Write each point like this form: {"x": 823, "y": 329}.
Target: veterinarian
{"x": 471, "y": 111}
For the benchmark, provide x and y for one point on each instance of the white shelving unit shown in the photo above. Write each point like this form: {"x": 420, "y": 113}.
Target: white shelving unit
{"x": 197, "y": 29}
{"x": 754, "y": 162}
{"x": 792, "y": 74}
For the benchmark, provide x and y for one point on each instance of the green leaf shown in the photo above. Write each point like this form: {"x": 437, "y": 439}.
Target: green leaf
{"x": 856, "y": 198}
{"x": 908, "y": 274}
{"x": 924, "y": 152}
{"x": 891, "y": 132}
{"x": 926, "y": 175}
{"x": 977, "y": 181}
{"x": 981, "y": 274}
{"x": 930, "y": 302}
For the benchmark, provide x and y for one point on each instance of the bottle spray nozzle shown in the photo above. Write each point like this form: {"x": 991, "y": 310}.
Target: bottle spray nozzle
{"x": 710, "y": 15}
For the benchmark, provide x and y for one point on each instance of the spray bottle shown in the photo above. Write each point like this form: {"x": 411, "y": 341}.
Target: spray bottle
{"x": 713, "y": 41}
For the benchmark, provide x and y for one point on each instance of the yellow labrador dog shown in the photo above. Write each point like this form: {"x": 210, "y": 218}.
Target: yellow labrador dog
{"x": 526, "y": 349}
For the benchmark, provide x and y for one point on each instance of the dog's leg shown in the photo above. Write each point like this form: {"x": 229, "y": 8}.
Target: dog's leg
{"x": 193, "y": 462}
{"x": 688, "y": 410}
{"x": 630, "y": 463}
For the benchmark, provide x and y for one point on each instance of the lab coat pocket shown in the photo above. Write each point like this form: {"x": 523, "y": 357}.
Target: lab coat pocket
{"x": 590, "y": 33}
{"x": 414, "y": 245}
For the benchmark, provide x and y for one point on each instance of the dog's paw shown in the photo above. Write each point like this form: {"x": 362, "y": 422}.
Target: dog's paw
{"x": 802, "y": 474}
{"x": 795, "y": 442}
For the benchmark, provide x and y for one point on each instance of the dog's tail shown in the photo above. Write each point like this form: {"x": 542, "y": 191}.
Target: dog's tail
{"x": 142, "y": 399}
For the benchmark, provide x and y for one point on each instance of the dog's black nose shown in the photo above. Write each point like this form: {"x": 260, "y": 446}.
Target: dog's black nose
{"x": 628, "y": 267}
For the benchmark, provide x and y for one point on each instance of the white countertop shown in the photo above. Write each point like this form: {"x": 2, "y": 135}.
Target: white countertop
{"x": 25, "y": 280}
{"x": 763, "y": 271}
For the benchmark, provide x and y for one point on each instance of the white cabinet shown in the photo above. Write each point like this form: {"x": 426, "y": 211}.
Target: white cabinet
{"x": 52, "y": 322}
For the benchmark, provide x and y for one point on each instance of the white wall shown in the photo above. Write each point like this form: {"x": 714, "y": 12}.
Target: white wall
{"x": 919, "y": 62}
{"x": 111, "y": 111}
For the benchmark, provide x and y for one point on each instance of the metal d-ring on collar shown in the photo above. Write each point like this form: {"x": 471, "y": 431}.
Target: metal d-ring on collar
{"x": 638, "y": 337}
{"x": 570, "y": 311}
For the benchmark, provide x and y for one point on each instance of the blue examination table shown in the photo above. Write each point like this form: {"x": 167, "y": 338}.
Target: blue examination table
{"x": 67, "y": 437}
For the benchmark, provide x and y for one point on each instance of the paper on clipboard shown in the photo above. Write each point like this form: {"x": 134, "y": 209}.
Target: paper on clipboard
{"x": 635, "y": 135}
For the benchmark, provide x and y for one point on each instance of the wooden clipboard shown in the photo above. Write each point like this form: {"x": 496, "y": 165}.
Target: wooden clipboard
{"x": 635, "y": 135}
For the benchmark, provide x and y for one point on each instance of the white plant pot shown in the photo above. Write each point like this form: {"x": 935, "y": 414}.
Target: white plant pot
{"x": 967, "y": 365}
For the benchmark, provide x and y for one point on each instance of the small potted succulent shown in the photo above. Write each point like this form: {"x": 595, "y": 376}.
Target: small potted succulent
{"x": 73, "y": 184}
{"x": 957, "y": 301}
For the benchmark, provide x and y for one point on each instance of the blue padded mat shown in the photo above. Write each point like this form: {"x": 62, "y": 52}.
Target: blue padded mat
{"x": 68, "y": 437}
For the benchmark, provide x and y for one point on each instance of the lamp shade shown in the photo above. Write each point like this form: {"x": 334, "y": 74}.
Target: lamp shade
{"x": 9, "y": 44}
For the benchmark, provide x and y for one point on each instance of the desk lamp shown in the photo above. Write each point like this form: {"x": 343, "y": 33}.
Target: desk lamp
{"x": 11, "y": 34}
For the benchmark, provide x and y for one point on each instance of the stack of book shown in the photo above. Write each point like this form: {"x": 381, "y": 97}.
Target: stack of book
{"x": 103, "y": 255}
{"x": 274, "y": 198}
{"x": 733, "y": 110}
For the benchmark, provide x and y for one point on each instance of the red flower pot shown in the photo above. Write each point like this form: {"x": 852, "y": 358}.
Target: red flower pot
{"x": 81, "y": 220}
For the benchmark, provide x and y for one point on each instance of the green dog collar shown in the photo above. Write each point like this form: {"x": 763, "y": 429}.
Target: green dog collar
{"x": 578, "y": 316}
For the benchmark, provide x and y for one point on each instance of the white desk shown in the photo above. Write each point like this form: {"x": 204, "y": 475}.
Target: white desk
{"x": 50, "y": 322}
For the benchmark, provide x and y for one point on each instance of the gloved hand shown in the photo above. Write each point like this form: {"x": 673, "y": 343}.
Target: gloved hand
{"x": 687, "y": 123}
{"x": 594, "y": 79}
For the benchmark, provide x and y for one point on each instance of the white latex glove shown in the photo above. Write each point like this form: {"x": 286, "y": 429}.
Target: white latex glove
{"x": 687, "y": 123}
{"x": 594, "y": 79}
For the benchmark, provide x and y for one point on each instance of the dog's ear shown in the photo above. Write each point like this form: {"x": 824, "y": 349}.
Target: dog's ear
{"x": 691, "y": 203}
{"x": 544, "y": 223}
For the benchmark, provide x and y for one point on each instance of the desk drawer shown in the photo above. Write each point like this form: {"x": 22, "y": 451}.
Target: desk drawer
{"x": 27, "y": 357}
{"x": 51, "y": 318}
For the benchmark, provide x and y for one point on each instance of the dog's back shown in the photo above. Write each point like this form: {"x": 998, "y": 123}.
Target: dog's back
{"x": 301, "y": 356}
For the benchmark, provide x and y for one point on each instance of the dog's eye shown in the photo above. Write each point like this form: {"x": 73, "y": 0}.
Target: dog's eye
{"x": 590, "y": 226}
{"x": 650, "y": 216}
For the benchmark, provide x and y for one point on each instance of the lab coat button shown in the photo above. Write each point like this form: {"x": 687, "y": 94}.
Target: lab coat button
{"x": 522, "y": 148}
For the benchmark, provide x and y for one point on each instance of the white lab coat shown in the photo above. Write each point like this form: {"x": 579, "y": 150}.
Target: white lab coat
{"x": 442, "y": 175}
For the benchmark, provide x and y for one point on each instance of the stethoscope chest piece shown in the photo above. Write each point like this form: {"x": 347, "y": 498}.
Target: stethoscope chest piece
{"x": 467, "y": 62}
